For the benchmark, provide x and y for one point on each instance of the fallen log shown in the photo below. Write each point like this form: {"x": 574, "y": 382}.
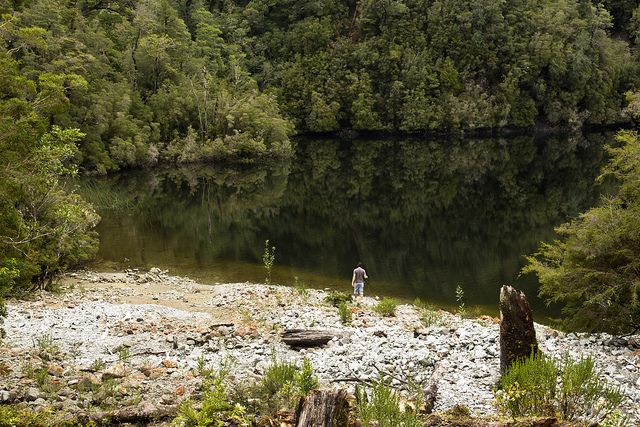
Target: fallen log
{"x": 307, "y": 337}
{"x": 323, "y": 408}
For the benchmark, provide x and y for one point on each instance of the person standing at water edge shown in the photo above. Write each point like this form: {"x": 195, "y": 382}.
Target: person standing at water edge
{"x": 357, "y": 281}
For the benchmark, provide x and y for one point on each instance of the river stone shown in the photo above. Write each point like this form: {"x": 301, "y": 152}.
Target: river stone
{"x": 517, "y": 334}
{"x": 31, "y": 394}
{"x": 115, "y": 371}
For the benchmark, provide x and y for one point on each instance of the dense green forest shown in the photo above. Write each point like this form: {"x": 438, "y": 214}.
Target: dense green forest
{"x": 218, "y": 79}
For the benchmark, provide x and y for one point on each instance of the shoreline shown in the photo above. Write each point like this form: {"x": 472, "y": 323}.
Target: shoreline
{"x": 166, "y": 325}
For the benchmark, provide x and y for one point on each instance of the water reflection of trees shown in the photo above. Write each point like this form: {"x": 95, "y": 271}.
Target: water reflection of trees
{"x": 428, "y": 215}
{"x": 423, "y": 215}
{"x": 196, "y": 214}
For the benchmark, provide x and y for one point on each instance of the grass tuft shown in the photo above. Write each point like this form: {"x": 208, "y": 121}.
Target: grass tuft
{"x": 345, "y": 313}
{"x": 386, "y": 307}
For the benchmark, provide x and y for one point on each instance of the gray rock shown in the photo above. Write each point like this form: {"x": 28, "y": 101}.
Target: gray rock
{"x": 167, "y": 399}
{"x": 5, "y": 397}
{"x": 32, "y": 394}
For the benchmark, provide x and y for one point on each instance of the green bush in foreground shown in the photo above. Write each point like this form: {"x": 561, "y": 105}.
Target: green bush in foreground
{"x": 380, "y": 406}
{"x": 386, "y": 307}
{"x": 283, "y": 384}
{"x": 216, "y": 409}
{"x": 542, "y": 386}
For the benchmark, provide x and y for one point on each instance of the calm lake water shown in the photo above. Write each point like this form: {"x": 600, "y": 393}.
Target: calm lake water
{"x": 423, "y": 215}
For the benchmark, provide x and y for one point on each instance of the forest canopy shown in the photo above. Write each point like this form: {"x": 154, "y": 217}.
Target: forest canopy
{"x": 219, "y": 79}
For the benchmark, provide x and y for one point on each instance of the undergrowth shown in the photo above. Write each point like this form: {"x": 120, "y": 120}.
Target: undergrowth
{"x": 335, "y": 298}
{"x": 386, "y": 307}
{"x": 380, "y": 405}
{"x": 226, "y": 402}
{"x": 11, "y": 416}
{"x": 571, "y": 389}
{"x": 345, "y": 313}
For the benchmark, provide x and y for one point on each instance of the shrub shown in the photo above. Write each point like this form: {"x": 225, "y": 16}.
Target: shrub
{"x": 380, "y": 405}
{"x": 461, "y": 311}
{"x": 302, "y": 289}
{"x": 542, "y": 386}
{"x": 336, "y": 297}
{"x": 345, "y": 313}
{"x": 97, "y": 365}
{"x": 431, "y": 318}
{"x": 583, "y": 392}
{"x": 529, "y": 387}
{"x": 283, "y": 384}
{"x": 47, "y": 348}
{"x": 268, "y": 259}
{"x": 386, "y": 307}
{"x": 459, "y": 411}
{"x": 419, "y": 303}
{"x": 216, "y": 409}
{"x": 5, "y": 369}
{"x": 276, "y": 389}
{"x": 45, "y": 382}
{"x": 106, "y": 394}
{"x": 306, "y": 380}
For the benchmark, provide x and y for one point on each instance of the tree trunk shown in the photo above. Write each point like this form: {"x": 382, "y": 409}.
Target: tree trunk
{"x": 325, "y": 408}
{"x": 308, "y": 338}
{"x": 517, "y": 335}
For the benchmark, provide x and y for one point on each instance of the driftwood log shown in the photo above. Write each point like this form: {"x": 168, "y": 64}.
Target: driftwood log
{"x": 517, "y": 335}
{"x": 323, "y": 408}
{"x": 307, "y": 337}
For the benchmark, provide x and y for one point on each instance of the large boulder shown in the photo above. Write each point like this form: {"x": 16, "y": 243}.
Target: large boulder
{"x": 517, "y": 334}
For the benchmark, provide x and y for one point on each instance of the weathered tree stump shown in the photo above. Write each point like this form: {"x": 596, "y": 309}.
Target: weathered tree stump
{"x": 517, "y": 335}
{"x": 323, "y": 408}
{"x": 308, "y": 338}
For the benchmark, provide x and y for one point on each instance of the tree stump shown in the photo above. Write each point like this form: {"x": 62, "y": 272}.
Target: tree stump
{"x": 323, "y": 408}
{"x": 307, "y": 337}
{"x": 517, "y": 335}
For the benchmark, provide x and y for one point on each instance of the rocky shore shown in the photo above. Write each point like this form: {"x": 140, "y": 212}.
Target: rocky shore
{"x": 148, "y": 332}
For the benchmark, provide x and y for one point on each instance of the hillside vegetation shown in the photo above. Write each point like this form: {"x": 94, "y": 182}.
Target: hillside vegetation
{"x": 218, "y": 79}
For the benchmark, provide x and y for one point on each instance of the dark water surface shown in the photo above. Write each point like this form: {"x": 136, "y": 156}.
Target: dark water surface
{"x": 423, "y": 215}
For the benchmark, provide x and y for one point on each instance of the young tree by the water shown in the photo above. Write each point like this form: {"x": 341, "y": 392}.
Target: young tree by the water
{"x": 594, "y": 268}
